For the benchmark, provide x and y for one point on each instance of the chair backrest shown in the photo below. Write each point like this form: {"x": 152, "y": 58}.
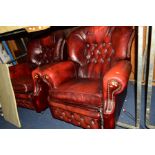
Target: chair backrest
{"x": 95, "y": 48}
{"x": 47, "y": 49}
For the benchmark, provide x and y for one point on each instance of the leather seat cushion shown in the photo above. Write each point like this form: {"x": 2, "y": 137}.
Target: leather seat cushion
{"x": 25, "y": 104}
{"x": 24, "y": 96}
{"x": 79, "y": 91}
{"x": 22, "y": 85}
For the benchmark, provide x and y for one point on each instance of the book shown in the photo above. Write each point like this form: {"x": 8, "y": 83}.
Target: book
{"x": 8, "y": 52}
{"x": 4, "y": 55}
{"x": 13, "y": 48}
{"x": 18, "y": 49}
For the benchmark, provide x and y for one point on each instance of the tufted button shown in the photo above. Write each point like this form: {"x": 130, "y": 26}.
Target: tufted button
{"x": 102, "y": 60}
{"x": 105, "y": 50}
{"x": 88, "y": 56}
{"x": 108, "y": 59}
{"x": 61, "y": 117}
{"x": 113, "y": 51}
{"x": 63, "y": 114}
{"x": 103, "y": 44}
{"x": 69, "y": 120}
{"x": 95, "y": 61}
{"x": 88, "y": 61}
{"x": 92, "y": 122}
{"x": 98, "y": 52}
{"x": 88, "y": 126}
{"x": 92, "y": 53}
{"x": 110, "y": 43}
{"x": 36, "y": 76}
{"x": 95, "y": 44}
{"x": 88, "y": 45}
{"x": 79, "y": 123}
{"x": 46, "y": 76}
{"x": 72, "y": 116}
{"x": 82, "y": 119}
{"x": 92, "y": 48}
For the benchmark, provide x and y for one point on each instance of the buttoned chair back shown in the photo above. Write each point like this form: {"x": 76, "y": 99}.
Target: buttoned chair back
{"x": 47, "y": 49}
{"x": 96, "y": 48}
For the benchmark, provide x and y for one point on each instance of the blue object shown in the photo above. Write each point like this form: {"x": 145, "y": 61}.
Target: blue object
{"x": 8, "y": 52}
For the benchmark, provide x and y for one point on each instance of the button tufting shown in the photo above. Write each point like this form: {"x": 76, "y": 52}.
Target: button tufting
{"x": 95, "y": 61}
{"x": 113, "y": 51}
{"x": 63, "y": 114}
{"x": 88, "y": 56}
{"x": 72, "y": 116}
{"x": 108, "y": 59}
{"x": 79, "y": 123}
{"x": 105, "y": 50}
{"x": 92, "y": 122}
{"x": 88, "y": 126}
{"x": 82, "y": 119}
{"x": 88, "y": 45}
{"x": 46, "y": 76}
{"x": 36, "y": 76}
{"x": 103, "y": 44}
{"x": 92, "y": 49}
{"x": 102, "y": 60}
{"x": 88, "y": 61}
{"x": 98, "y": 52}
{"x": 95, "y": 44}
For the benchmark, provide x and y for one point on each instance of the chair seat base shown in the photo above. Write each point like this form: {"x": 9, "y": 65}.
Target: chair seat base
{"x": 25, "y": 104}
{"x": 82, "y": 117}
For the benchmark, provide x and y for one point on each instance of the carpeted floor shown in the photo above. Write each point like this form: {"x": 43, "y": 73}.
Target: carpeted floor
{"x": 32, "y": 120}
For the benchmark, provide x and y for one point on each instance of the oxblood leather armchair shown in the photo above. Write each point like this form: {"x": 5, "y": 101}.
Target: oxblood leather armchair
{"x": 82, "y": 90}
{"x": 32, "y": 93}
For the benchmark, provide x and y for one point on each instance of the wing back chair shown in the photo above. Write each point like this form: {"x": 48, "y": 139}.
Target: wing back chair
{"x": 32, "y": 93}
{"x": 82, "y": 90}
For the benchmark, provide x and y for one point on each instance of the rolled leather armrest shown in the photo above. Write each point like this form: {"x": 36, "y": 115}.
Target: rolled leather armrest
{"x": 20, "y": 70}
{"x": 114, "y": 82}
{"x": 56, "y": 74}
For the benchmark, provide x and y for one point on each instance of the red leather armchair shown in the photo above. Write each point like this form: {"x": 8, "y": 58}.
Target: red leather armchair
{"x": 82, "y": 90}
{"x": 32, "y": 93}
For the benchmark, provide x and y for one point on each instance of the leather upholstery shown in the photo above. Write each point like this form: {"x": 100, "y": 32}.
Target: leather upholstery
{"x": 58, "y": 73}
{"x": 87, "y": 85}
{"x": 87, "y": 118}
{"x": 80, "y": 91}
{"x": 95, "y": 48}
{"x": 24, "y": 84}
{"x": 20, "y": 70}
{"x": 44, "y": 50}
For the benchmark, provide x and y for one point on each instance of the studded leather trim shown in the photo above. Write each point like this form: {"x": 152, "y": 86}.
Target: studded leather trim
{"x": 113, "y": 87}
{"x": 75, "y": 118}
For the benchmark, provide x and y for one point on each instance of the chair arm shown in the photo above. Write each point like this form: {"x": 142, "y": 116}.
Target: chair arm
{"x": 20, "y": 70}
{"x": 40, "y": 94}
{"x": 57, "y": 73}
{"x": 114, "y": 82}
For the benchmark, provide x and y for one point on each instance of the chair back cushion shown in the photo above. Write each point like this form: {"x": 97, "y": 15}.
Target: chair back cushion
{"x": 95, "y": 48}
{"x": 46, "y": 49}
